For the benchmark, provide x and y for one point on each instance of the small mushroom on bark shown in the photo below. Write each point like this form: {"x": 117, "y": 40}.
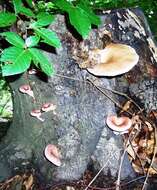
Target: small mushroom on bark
{"x": 26, "y": 89}
{"x": 32, "y": 71}
{"x": 52, "y": 154}
{"x": 119, "y": 125}
{"x": 114, "y": 59}
{"x": 48, "y": 107}
{"x": 37, "y": 114}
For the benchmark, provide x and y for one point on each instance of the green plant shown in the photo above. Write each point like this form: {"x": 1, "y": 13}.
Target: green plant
{"x": 148, "y": 7}
{"x": 24, "y": 49}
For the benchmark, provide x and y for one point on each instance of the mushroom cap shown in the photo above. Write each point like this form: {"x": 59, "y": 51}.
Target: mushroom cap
{"x": 119, "y": 124}
{"x": 48, "y": 107}
{"x": 115, "y": 59}
{"x": 24, "y": 88}
{"x": 52, "y": 154}
{"x": 35, "y": 113}
{"x": 32, "y": 71}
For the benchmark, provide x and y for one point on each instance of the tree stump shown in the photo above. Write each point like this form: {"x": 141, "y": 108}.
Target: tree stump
{"x": 78, "y": 127}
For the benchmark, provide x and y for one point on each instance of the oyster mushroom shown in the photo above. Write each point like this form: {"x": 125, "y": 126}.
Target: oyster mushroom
{"x": 48, "y": 107}
{"x": 52, "y": 154}
{"x": 26, "y": 89}
{"x": 119, "y": 125}
{"x": 114, "y": 59}
{"x": 37, "y": 114}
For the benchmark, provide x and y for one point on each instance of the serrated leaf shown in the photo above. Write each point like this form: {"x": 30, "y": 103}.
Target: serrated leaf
{"x": 80, "y": 21}
{"x": 32, "y": 41}
{"x": 20, "y": 64}
{"x": 9, "y": 54}
{"x": 88, "y": 11}
{"x": 43, "y": 19}
{"x": 48, "y": 36}
{"x": 64, "y": 5}
{"x": 7, "y": 19}
{"x": 44, "y": 64}
{"x": 13, "y": 39}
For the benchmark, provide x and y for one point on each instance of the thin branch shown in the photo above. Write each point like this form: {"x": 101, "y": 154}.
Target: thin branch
{"x": 108, "y": 160}
{"x": 109, "y": 97}
{"x": 120, "y": 169}
{"x": 124, "y": 95}
{"x": 79, "y": 185}
{"x": 153, "y": 158}
{"x": 100, "y": 89}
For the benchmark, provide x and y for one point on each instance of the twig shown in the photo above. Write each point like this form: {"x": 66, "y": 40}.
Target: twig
{"x": 108, "y": 160}
{"x": 109, "y": 97}
{"x": 151, "y": 164}
{"x": 120, "y": 168}
{"x": 130, "y": 141}
{"x": 122, "y": 159}
{"x": 138, "y": 158}
{"x": 79, "y": 184}
{"x": 126, "y": 96}
{"x": 100, "y": 89}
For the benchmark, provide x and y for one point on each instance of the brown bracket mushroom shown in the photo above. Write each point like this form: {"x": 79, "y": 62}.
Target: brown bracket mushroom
{"x": 26, "y": 89}
{"x": 37, "y": 114}
{"x": 52, "y": 154}
{"x": 119, "y": 125}
{"x": 114, "y": 59}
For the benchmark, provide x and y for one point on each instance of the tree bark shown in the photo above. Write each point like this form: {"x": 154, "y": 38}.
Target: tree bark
{"x": 78, "y": 128}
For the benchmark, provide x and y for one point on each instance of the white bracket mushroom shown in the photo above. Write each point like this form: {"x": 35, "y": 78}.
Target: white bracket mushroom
{"x": 119, "y": 125}
{"x": 26, "y": 89}
{"x": 52, "y": 154}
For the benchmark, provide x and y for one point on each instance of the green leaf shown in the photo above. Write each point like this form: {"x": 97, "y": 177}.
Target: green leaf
{"x": 32, "y": 41}
{"x": 9, "y": 54}
{"x": 64, "y": 5}
{"x": 20, "y": 64}
{"x": 29, "y": 2}
{"x": 80, "y": 21}
{"x": 44, "y": 64}
{"x": 27, "y": 12}
{"x": 48, "y": 36}
{"x": 19, "y": 8}
{"x": 81, "y": 16}
{"x": 13, "y": 39}
{"x": 6, "y": 19}
{"x": 17, "y": 5}
{"x": 88, "y": 11}
{"x": 43, "y": 19}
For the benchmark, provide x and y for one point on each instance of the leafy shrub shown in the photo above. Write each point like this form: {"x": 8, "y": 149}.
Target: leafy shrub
{"x": 24, "y": 51}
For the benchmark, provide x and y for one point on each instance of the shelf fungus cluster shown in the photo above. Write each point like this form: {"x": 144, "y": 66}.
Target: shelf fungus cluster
{"x": 115, "y": 59}
{"x": 46, "y": 107}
